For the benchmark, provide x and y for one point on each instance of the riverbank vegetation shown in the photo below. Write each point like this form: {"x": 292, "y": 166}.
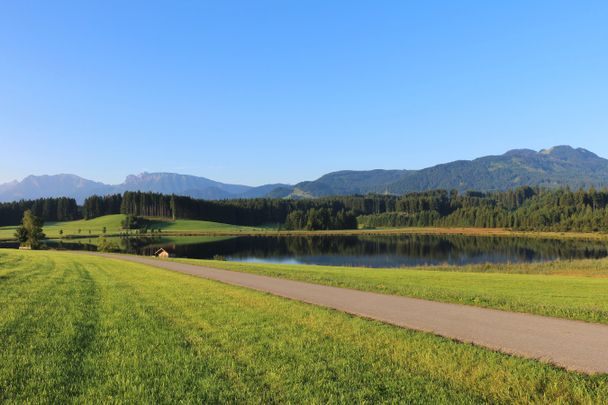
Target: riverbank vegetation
{"x": 79, "y": 329}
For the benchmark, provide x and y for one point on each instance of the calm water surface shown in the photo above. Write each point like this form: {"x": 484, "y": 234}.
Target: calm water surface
{"x": 384, "y": 251}
{"x": 366, "y": 251}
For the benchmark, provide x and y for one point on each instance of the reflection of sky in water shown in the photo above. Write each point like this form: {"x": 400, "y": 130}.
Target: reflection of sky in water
{"x": 379, "y": 260}
{"x": 368, "y": 251}
{"x": 392, "y": 251}
{"x": 275, "y": 260}
{"x": 401, "y": 251}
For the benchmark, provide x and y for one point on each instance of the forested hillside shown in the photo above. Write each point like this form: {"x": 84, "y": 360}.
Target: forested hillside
{"x": 524, "y": 208}
{"x": 48, "y": 209}
{"x": 557, "y": 167}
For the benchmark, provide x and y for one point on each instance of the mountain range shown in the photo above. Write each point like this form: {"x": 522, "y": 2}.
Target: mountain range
{"x": 559, "y": 166}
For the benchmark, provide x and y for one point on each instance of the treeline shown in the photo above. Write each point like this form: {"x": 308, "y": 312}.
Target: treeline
{"x": 294, "y": 214}
{"x": 327, "y": 213}
{"x": 97, "y": 206}
{"x": 321, "y": 219}
{"x": 47, "y": 209}
{"x": 524, "y": 208}
{"x": 149, "y": 204}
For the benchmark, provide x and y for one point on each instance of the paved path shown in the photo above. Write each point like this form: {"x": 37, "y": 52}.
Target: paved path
{"x": 574, "y": 345}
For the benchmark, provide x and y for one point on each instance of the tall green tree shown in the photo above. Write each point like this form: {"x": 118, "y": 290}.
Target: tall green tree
{"x": 30, "y": 232}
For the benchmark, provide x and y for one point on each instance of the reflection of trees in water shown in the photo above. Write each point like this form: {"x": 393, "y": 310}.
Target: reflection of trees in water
{"x": 444, "y": 247}
{"x": 140, "y": 245}
{"x": 369, "y": 250}
{"x": 9, "y": 245}
{"x": 135, "y": 245}
{"x": 430, "y": 247}
{"x": 68, "y": 245}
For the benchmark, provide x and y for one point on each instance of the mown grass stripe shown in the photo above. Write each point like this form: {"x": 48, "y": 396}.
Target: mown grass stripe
{"x": 85, "y": 324}
{"x": 43, "y": 346}
{"x": 210, "y": 341}
{"x": 236, "y": 298}
{"x": 153, "y": 336}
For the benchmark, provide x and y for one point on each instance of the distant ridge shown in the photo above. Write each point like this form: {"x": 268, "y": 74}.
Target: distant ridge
{"x": 70, "y": 185}
{"x": 559, "y": 166}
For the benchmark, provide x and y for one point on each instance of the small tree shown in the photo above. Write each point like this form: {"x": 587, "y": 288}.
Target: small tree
{"x": 30, "y": 232}
{"x": 104, "y": 230}
{"x": 61, "y": 232}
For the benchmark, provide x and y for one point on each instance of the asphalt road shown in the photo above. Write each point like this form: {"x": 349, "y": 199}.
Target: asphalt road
{"x": 574, "y": 345}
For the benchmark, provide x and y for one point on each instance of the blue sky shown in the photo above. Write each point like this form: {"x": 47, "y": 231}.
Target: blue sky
{"x": 256, "y": 92}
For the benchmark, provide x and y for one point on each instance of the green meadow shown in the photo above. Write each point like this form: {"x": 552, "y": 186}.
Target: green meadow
{"x": 81, "y": 329}
{"x": 112, "y": 225}
{"x": 7, "y": 232}
{"x": 542, "y": 288}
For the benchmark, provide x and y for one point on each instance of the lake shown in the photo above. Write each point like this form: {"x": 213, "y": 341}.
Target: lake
{"x": 366, "y": 251}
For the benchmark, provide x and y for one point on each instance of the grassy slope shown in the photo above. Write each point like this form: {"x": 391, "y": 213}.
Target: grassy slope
{"x": 189, "y": 225}
{"x": 76, "y": 328}
{"x": 95, "y": 226}
{"x": 112, "y": 223}
{"x": 573, "y": 297}
{"x": 7, "y": 232}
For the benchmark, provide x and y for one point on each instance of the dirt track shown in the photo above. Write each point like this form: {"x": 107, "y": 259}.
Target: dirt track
{"x": 574, "y": 345}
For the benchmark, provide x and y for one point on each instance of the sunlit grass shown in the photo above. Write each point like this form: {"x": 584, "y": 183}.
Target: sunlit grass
{"x": 567, "y": 296}
{"x": 112, "y": 225}
{"x": 80, "y": 329}
{"x": 193, "y": 227}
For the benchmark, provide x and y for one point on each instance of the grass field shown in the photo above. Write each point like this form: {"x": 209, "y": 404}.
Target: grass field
{"x": 572, "y": 296}
{"x": 194, "y": 227}
{"x": 188, "y": 225}
{"x": 77, "y": 328}
{"x": 7, "y": 232}
{"x": 112, "y": 223}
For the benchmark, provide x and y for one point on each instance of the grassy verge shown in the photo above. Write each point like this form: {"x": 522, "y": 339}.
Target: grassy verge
{"x": 565, "y": 296}
{"x": 490, "y": 232}
{"x": 79, "y": 329}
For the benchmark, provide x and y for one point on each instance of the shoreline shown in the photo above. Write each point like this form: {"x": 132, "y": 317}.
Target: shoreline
{"x": 478, "y": 232}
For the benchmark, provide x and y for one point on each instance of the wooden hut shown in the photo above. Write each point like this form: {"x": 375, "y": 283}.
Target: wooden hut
{"x": 162, "y": 253}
